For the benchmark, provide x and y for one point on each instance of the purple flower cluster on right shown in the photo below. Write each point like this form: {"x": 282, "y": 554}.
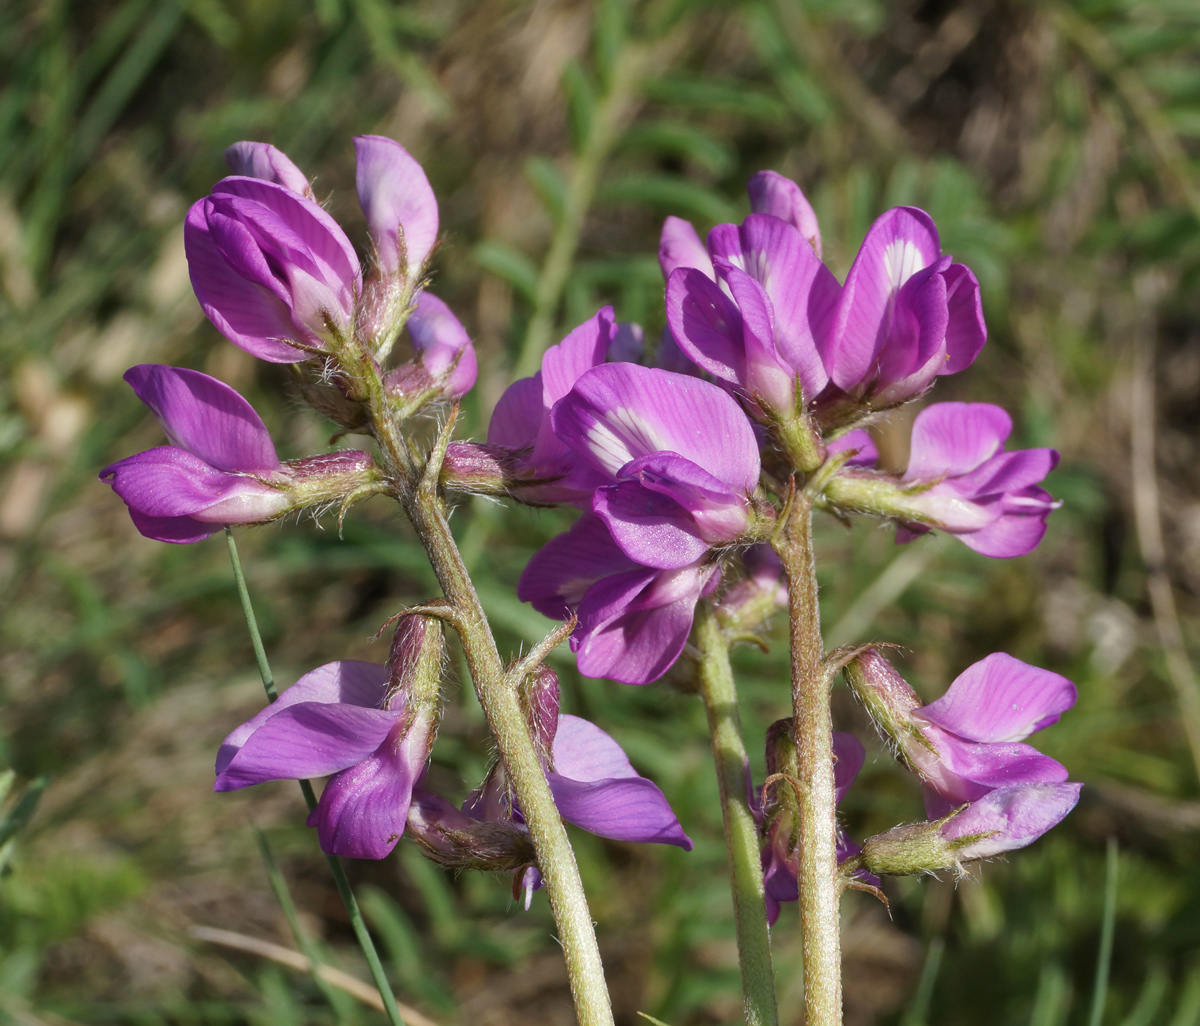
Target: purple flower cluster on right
{"x": 770, "y": 364}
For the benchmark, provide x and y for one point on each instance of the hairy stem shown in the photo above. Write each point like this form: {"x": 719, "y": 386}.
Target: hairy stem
{"x": 741, "y": 834}
{"x": 818, "y": 871}
{"x": 341, "y": 881}
{"x": 497, "y": 691}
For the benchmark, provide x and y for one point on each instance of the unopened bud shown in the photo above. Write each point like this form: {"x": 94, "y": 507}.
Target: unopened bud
{"x": 539, "y": 701}
{"x": 889, "y": 699}
{"x": 415, "y": 660}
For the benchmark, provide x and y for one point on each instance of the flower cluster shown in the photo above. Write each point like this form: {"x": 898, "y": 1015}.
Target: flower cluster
{"x": 758, "y": 398}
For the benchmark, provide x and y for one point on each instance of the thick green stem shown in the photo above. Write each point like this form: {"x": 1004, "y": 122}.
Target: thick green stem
{"x": 741, "y": 834}
{"x": 818, "y": 871}
{"x": 361, "y": 933}
{"x": 501, "y": 705}
{"x": 603, "y": 132}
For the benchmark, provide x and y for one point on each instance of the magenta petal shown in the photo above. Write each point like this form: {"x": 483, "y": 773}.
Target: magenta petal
{"x": 584, "y": 347}
{"x": 251, "y": 316}
{"x": 619, "y": 412}
{"x": 967, "y": 770}
{"x": 1010, "y": 535}
{"x": 633, "y": 626}
{"x": 206, "y": 417}
{"x": 1011, "y": 818}
{"x": 802, "y": 290}
{"x": 596, "y": 788}
{"x": 966, "y": 331}
{"x": 1009, "y": 472}
{"x": 665, "y": 511}
{"x": 518, "y": 415}
{"x": 443, "y": 345}
{"x": 170, "y": 482}
{"x": 955, "y": 438}
{"x": 1001, "y": 698}
{"x": 680, "y": 246}
{"x": 309, "y": 739}
{"x": 850, "y": 755}
{"x": 264, "y": 161}
{"x": 176, "y": 530}
{"x": 706, "y": 325}
{"x": 771, "y": 193}
{"x": 900, "y": 243}
{"x": 562, "y": 570}
{"x": 363, "y": 809}
{"x": 866, "y": 452}
{"x": 346, "y": 682}
{"x": 398, "y": 202}
{"x": 915, "y": 348}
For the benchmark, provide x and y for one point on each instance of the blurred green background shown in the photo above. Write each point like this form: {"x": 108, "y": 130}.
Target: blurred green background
{"x": 1057, "y": 147}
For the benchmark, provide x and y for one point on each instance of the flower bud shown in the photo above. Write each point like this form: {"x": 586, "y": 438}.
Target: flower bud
{"x": 539, "y": 702}
{"x": 415, "y": 660}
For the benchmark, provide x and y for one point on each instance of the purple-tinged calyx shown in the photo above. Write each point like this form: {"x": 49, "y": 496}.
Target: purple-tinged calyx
{"x": 960, "y": 480}
{"x": 968, "y": 742}
{"x": 221, "y": 467}
{"x": 906, "y": 314}
{"x": 273, "y": 272}
{"x": 369, "y": 728}
{"x": 748, "y": 605}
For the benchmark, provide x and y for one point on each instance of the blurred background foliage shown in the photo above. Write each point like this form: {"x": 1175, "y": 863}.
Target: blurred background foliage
{"x": 1056, "y": 146}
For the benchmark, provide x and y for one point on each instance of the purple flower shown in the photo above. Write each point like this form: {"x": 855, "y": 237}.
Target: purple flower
{"x": 758, "y": 327}
{"x": 906, "y": 313}
{"x": 221, "y": 467}
{"x": 272, "y": 270}
{"x": 959, "y": 479}
{"x": 444, "y": 360}
{"x": 521, "y": 419}
{"x": 633, "y": 620}
{"x": 279, "y": 278}
{"x": 967, "y": 745}
{"x": 369, "y": 726}
{"x": 680, "y": 461}
{"x": 988, "y": 497}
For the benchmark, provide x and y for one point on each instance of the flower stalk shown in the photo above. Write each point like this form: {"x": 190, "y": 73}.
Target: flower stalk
{"x": 818, "y": 867}
{"x": 719, "y": 692}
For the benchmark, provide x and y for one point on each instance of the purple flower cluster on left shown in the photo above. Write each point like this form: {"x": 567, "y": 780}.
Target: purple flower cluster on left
{"x": 279, "y": 278}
